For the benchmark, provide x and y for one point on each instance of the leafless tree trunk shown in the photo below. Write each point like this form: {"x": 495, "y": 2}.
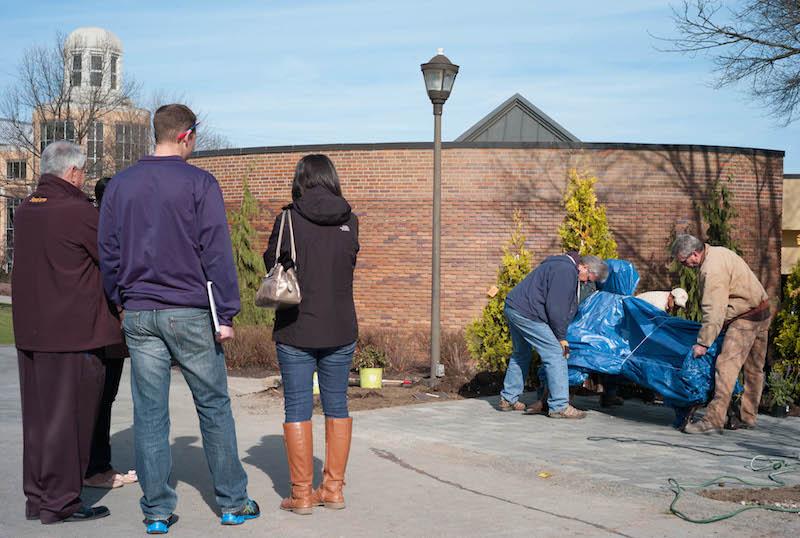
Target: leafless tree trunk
{"x": 757, "y": 41}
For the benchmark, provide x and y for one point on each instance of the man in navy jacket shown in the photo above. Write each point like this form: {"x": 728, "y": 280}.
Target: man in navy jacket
{"x": 162, "y": 235}
{"x": 539, "y": 309}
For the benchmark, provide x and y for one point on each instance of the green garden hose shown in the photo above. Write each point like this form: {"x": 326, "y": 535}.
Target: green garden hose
{"x": 758, "y": 464}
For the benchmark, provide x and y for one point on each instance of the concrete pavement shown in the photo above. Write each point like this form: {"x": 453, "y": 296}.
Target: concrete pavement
{"x": 456, "y": 468}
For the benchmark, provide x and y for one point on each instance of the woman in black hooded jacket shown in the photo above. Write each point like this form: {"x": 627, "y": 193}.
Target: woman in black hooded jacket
{"x": 319, "y": 333}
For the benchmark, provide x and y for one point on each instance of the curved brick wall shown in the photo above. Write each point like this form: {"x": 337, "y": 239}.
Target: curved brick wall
{"x": 646, "y": 188}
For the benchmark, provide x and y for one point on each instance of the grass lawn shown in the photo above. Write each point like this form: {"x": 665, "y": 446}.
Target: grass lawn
{"x": 6, "y": 330}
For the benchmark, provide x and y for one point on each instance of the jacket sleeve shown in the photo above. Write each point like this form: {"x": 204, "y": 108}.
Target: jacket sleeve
{"x": 561, "y": 297}
{"x": 87, "y": 234}
{"x": 108, "y": 246}
{"x": 216, "y": 251}
{"x": 714, "y": 303}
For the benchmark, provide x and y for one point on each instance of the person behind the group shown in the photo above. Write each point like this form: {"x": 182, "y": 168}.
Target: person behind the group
{"x": 61, "y": 321}
{"x": 538, "y": 311}
{"x": 668, "y": 301}
{"x": 100, "y": 473}
{"x": 163, "y": 234}
{"x": 732, "y": 298}
{"x": 320, "y": 333}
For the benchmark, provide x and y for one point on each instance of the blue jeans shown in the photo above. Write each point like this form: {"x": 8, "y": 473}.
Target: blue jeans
{"x": 187, "y": 335}
{"x": 297, "y": 370}
{"x": 526, "y": 335}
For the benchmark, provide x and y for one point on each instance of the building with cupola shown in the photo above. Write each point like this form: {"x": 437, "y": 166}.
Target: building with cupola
{"x": 92, "y": 109}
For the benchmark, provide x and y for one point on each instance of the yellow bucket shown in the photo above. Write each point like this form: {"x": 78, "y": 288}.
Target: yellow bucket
{"x": 315, "y": 387}
{"x": 371, "y": 378}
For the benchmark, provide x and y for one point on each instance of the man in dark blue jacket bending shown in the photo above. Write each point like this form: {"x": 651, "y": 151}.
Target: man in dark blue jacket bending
{"x": 538, "y": 311}
{"x": 162, "y": 235}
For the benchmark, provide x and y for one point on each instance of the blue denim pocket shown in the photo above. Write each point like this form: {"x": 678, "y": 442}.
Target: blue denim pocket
{"x": 191, "y": 331}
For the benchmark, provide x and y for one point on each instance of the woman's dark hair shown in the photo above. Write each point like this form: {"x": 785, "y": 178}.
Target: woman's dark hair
{"x": 99, "y": 189}
{"x": 315, "y": 171}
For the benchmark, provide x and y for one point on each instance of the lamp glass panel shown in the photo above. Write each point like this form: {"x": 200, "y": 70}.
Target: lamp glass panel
{"x": 449, "y": 78}
{"x": 433, "y": 79}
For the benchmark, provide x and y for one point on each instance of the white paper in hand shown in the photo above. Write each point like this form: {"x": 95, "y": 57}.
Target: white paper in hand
{"x": 212, "y": 304}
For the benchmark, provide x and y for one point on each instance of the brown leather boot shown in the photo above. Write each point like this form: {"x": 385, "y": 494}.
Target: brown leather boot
{"x": 300, "y": 454}
{"x": 338, "y": 432}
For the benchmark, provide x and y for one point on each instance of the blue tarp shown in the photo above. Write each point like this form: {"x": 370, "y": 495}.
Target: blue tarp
{"x": 622, "y": 278}
{"x": 616, "y": 334}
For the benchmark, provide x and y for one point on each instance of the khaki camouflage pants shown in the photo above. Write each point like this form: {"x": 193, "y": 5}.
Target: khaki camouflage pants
{"x": 745, "y": 346}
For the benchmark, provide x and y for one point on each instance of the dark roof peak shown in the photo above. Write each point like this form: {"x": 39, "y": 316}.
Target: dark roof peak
{"x": 517, "y": 120}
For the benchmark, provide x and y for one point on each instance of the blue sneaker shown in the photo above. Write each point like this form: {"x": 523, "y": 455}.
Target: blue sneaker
{"x": 250, "y": 510}
{"x": 160, "y": 526}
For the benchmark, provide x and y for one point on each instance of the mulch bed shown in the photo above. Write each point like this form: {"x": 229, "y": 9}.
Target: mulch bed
{"x": 786, "y": 497}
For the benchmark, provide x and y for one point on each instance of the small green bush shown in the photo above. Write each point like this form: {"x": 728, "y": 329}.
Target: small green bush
{"x": 585, "y": 227}
{"x": 781, "y": 389}
{"x": 488, "y": 338}
{"x": 370, "y": 357}
{"x": 249, "y": 264}
{"x": 786, "y": 329}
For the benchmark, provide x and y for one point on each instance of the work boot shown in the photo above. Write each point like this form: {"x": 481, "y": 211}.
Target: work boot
{"x": 568, "y": 412}
{"x": 338, "y": 432}
{"x": 701, "y": 426}
{"x": 300, "y": 455}
{"x": 505, "y": 405}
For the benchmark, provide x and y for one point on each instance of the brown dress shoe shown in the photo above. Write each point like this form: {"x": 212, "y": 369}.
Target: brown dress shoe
{"x": 701, "y": 426}
{"x": 570, "y": 412}
{"x": 539, "y": 407}
{"x": 508, "y": 406}
{"x": 300, "y": 455}
{"x": 338, "y": 433}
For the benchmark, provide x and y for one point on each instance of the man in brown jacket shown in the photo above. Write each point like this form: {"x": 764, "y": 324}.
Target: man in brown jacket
{"x": 732, "y": 299}
{"x": 61, "y": 321}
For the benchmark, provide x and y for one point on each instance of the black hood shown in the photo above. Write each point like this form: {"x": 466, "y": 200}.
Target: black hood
{"x": 322, "y": 207}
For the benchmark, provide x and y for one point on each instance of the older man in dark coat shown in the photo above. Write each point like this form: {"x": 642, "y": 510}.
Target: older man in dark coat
{"x": 61, "y": 321}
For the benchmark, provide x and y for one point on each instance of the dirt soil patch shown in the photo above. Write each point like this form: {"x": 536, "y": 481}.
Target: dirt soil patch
{"x": 786, "y": 497}
{"x": 364, "y": 399}
{"x": 358, "y": 399}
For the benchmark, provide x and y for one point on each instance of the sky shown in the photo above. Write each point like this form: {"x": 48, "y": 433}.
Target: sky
{"x": 267, "y": 73}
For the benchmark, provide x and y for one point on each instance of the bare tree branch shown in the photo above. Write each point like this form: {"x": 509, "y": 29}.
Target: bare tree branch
{"x": 759, "y": 42}
{"x": 43, "y": 91}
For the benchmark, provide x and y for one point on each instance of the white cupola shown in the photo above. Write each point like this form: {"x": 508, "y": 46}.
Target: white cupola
{"x": 93, "y": 62}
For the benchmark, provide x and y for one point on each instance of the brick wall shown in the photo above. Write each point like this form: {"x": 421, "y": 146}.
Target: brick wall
{"x": 646, "y": 188}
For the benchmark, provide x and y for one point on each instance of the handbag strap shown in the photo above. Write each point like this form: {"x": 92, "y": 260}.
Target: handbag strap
{"x": 280, "y": 238}
{"x": 291, "y": 237}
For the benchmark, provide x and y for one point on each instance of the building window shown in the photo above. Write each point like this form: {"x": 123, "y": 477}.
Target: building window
{"x": 130, "y": 144}
{"x": 96, "y": 73}
{"x": 16, "y": 170}
{"x": 113, "y": 69}
{"x": 94, "y": 150}
{"x": 11, "y": 205}
{"x": 56, "y": 130}
{"x": 76, "y": 70}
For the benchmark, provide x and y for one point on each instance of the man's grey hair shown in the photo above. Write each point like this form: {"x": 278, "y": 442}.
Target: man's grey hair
{"x": 596, "y": 266}
{"x": 58, "y": 157}
{"x": 685, "y": 244}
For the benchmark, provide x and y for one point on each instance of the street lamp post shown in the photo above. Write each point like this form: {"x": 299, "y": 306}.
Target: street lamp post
{"x": 439, "y": 74}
